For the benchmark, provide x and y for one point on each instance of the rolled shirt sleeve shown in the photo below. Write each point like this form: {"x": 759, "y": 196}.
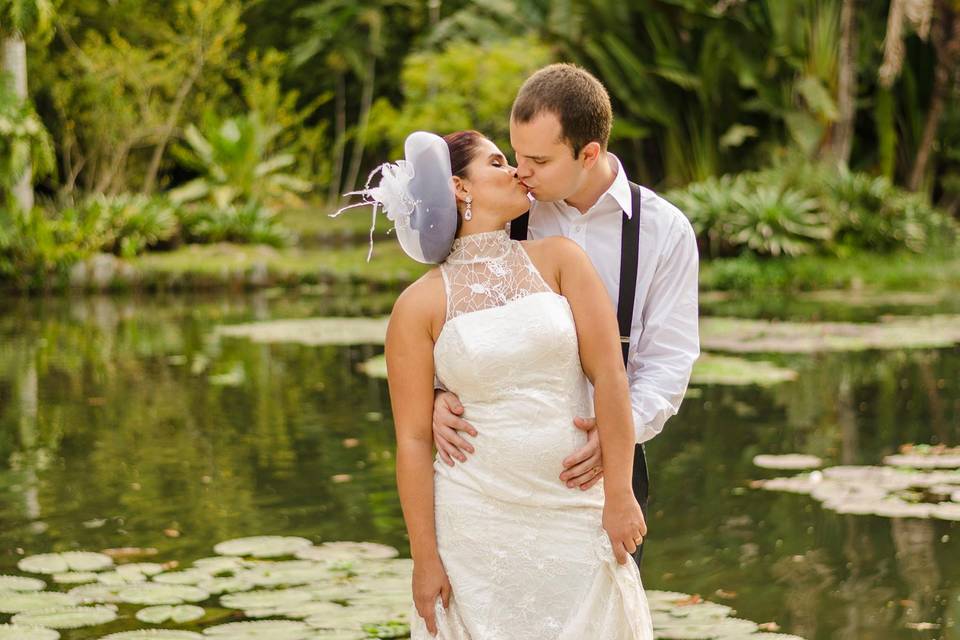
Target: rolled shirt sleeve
{"x": 661, "y": 360}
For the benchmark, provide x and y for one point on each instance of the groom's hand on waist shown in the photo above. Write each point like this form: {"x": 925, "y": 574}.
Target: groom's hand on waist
{"x": 584, "y": 467}
{"x": 446, "y": 425}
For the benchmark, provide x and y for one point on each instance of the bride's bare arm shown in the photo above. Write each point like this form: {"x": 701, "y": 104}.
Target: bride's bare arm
{"x": 602, "y": 360}
{"x": 409, "y": 353}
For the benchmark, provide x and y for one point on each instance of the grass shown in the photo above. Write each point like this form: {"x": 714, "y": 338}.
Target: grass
{"x": 860, "y": 272}
{"x": 207, "y": 266}
{"x": 314, "y": 226}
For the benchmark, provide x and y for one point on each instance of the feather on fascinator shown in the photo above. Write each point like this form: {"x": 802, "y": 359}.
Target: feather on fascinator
{"x": 416, "y": 194}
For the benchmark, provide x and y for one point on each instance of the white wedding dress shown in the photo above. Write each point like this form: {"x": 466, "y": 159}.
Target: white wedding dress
{"x": 527, "y": 556}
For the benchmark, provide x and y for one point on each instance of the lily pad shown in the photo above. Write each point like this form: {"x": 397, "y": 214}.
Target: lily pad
{"x": 713, "y": 369}
{"x": 311, "y": 331}
{"x": 734, "y": 335}
{"x": 75, "y": 577}
{"x": 188, "y": 576}
{"x": 67, "y": 617}
{"x": 261, "y": 629}
{"x": 21, "y": 583}
{"x": 152, "y": 593}
{"x": 375, "y": 367}
{"x": 882, "y": 491}
{"x": 119, "y": 578}
{"x": 21, "y": 632}
{"x": 726, "y": 335}
{"x": 154, "y": 634}
{"x": 262, "y": 546}
{"x": 226, "y": 584}
{"x": 788, "y": 461}
{"x": 341, "y": 550}
{"x": 145, "y": 568}
{"x": 17, "y": 602}
{"x": 219, "y": 564}
{"x": 95, "y": 593}
{"x": 265, "y": 599}
{"x": 946, "y": 511}
{"x": 925, "y": 459}
{"x": 63, "y": 562}
{"x": 178, "y": 614}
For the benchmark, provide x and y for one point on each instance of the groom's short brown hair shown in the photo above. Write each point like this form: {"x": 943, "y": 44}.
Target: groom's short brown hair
{"x": 572, "y": 94}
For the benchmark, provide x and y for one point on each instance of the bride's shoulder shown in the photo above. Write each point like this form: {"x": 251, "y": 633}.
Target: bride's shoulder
{"x": 553, "y": 248}
{"x": 422, "y": 299}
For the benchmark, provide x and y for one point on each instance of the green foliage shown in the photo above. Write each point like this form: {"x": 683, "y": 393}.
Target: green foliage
{"x": 125, "y": 224}
{"x": 246, "y": 223}
{"x": 799, "y": 208}
{"x": 25, "y": 15}
{"x": 238, "y": 164}
{"x": 464, "y": 86}
{"x": 24, "y": 142}
{"x": 125, "y": 76}
{"x": 37, "y": 249}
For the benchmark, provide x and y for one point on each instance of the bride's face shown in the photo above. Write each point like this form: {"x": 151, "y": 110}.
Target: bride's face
{"x": 493, "y": 184}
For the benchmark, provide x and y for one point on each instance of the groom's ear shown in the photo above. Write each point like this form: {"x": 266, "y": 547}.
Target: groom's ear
{"x": 590, "y": 154}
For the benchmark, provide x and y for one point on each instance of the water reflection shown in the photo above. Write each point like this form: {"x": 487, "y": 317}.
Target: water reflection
{"x": 122, "y": 423}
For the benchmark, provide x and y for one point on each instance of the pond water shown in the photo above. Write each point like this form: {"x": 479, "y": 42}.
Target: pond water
{"x": 125, "y": 422}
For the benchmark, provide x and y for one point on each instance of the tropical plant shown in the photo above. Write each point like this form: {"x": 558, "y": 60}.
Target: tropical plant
{"x": 249, "y": 222}
{"x": 773, "y": 221}
{"x": 238, "y": 163}
{"x": 126, "y": 224}
{"x": 797, "y": 207}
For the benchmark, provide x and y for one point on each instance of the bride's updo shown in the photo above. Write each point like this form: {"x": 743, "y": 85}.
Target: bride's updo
{"x": 463, "y": 147}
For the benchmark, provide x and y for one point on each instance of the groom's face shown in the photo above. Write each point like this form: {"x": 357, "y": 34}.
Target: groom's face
{"x": 545, "y": 162}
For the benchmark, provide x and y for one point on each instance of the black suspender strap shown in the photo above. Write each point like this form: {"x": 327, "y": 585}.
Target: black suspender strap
{"x": 518, "y": 227}
{"x": 629, "y": 254}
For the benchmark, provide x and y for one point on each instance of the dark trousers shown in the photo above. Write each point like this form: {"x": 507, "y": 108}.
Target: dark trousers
{"x": 641, "y": 489}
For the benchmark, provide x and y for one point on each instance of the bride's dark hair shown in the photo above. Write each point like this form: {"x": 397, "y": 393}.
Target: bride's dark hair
{"x": 463, "y": 147}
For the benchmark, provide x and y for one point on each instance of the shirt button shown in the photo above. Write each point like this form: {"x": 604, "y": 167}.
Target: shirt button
{"x": 578, "y": 228}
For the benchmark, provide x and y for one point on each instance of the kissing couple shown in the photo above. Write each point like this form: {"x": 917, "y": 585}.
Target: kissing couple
{"x": 554, "y": 337}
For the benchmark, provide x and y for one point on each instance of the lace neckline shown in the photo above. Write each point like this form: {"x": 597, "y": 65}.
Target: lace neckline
{"x": 480, "y": 247}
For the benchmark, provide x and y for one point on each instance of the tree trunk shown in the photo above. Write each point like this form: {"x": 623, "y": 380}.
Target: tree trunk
{"x": 366, "y": 101}
{"x": 185, "y": 87}
{"x": 339, "y": 144}
{"x": 842, "y": 140}
{"x": 945, "y": 33}
{"x": 360, "y": 140}
{"x": 15, "y": 64}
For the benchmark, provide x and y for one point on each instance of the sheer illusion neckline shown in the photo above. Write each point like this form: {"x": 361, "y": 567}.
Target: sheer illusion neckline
{"x": 480, "y": 247}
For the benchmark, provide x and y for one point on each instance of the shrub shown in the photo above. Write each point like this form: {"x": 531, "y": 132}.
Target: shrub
{"x": 799, "y": 208}
{"x": 250, "y": 223}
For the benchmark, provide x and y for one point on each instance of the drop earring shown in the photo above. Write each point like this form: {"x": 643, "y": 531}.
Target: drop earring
{"x": 468, "y": 214}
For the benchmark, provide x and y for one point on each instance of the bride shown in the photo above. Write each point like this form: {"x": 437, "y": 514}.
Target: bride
{"x": 502, "y": 550}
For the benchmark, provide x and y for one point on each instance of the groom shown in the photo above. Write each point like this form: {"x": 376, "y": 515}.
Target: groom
{"x": 642, "y": 246}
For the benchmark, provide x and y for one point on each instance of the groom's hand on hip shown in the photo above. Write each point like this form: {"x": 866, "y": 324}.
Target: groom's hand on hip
{"x": 446, "y": 424}
{"x": 584, "y": 467}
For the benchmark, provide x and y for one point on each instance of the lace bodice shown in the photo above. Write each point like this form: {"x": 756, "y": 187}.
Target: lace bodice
{"x": 487, "y": 270}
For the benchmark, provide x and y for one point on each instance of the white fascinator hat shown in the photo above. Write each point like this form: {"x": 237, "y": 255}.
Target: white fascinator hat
{"x": 417, "y": 195}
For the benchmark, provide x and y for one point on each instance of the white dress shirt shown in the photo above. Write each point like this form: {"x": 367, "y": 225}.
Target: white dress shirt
{"x": 664, "y": 340}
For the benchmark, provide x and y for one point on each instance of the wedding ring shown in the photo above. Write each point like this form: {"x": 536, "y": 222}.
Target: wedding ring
{"x": 595, "y": 470}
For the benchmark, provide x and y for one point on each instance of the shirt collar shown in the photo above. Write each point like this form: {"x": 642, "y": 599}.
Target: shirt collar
{"x": 620, "y": 189}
